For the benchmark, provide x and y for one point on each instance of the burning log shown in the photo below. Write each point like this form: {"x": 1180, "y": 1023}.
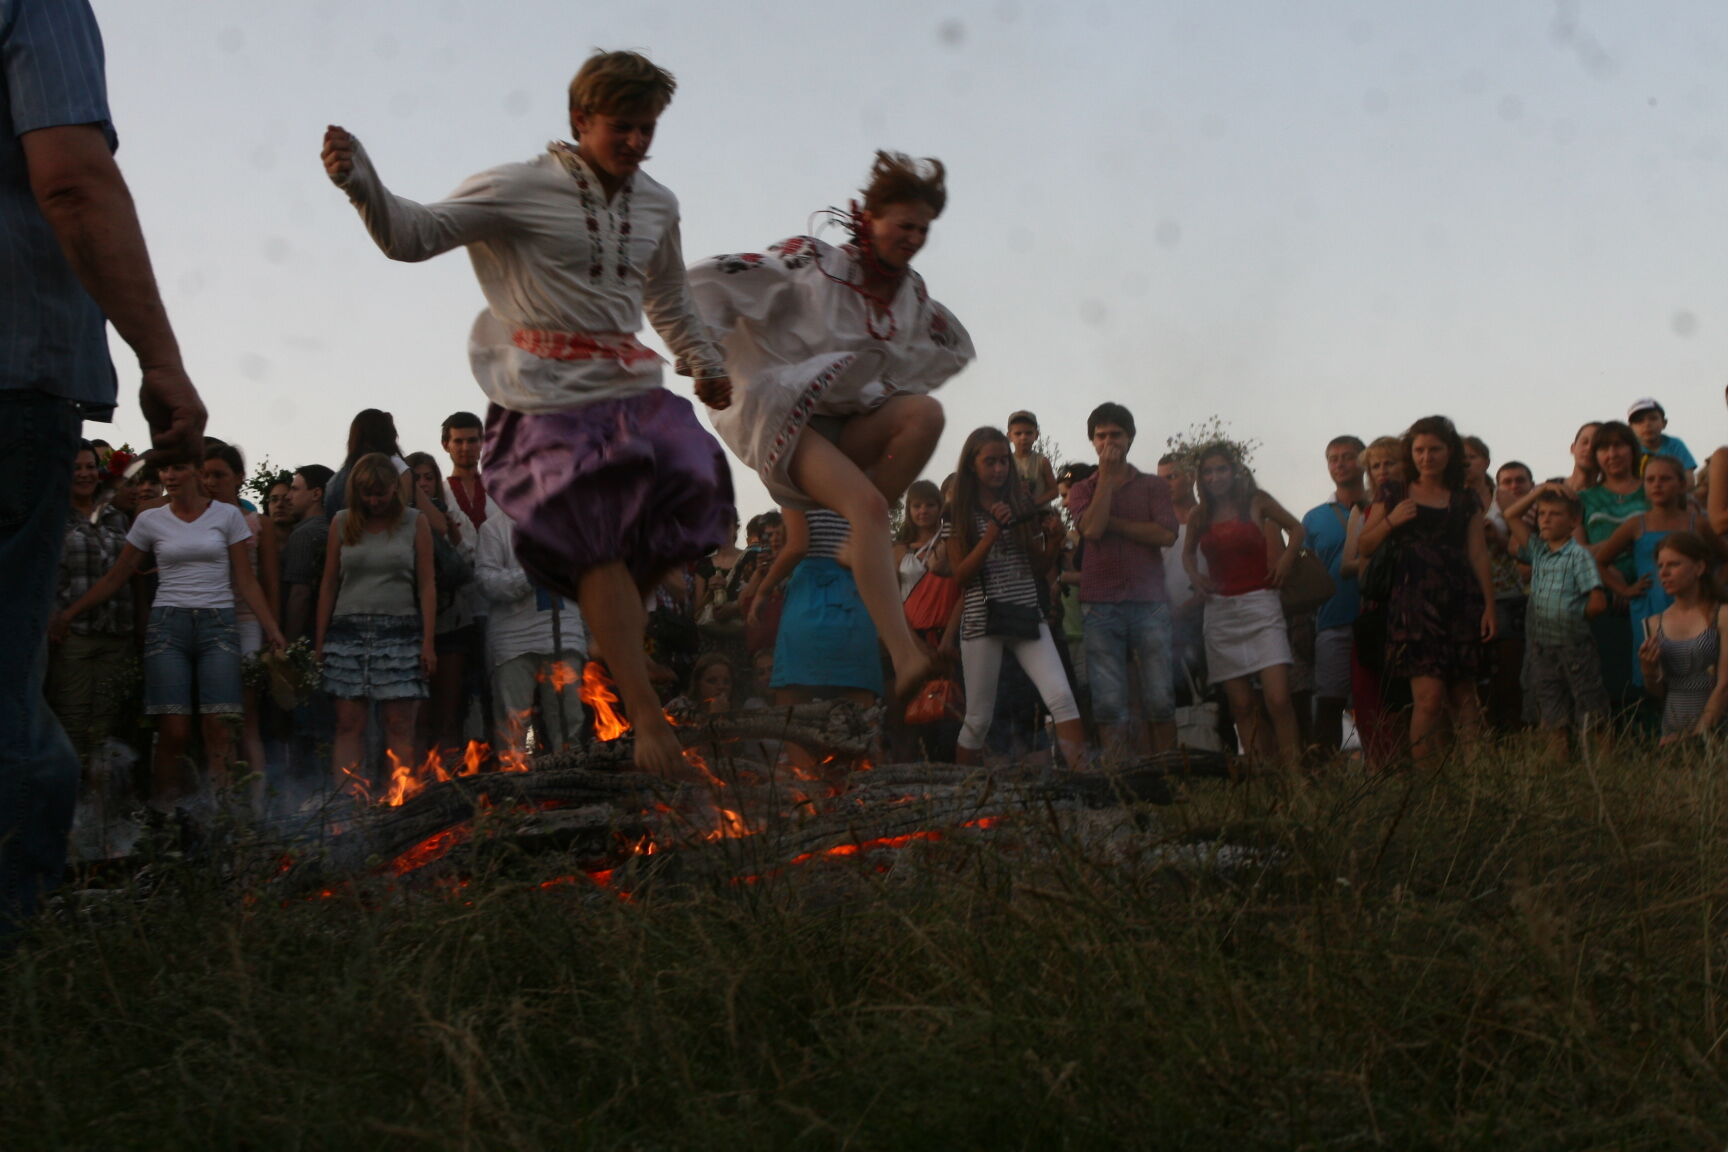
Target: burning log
{"x": 738, "y": 817}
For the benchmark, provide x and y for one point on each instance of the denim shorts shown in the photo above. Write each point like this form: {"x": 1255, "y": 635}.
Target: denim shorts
{"x": 187, "y": 649}
{"x": 1117, "y": 632}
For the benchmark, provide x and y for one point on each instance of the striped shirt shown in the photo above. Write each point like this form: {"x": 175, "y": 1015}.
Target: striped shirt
{"x": 828, "y": 532}
{"x": 52, "y": 335}
{"x": 1005, "y": 578}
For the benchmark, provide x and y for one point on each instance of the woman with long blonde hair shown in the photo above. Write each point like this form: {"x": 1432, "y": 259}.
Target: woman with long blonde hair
{"x": 376, "y": 611}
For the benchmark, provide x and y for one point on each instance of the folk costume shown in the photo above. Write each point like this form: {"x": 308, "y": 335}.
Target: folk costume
{"x": 585, "y": 451}
{"x": 805, "y": 345}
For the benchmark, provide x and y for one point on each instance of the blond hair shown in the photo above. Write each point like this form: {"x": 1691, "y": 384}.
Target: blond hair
{"x": 372, "y": 471}
{"x": 896, "y": 178}
{"x": 1382, "y": 446}
{"x": 621, "y": 82}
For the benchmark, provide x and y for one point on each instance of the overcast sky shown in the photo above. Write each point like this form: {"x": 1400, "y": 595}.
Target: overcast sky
{"x": 1303, "y": 219}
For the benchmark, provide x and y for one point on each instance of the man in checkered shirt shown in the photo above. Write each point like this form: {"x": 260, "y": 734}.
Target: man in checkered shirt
{"x": 1126, "y": 517}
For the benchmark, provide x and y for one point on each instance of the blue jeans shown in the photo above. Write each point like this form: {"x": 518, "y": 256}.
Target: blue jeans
{"x": 187, "y": 646}
{"x": 38, "y": 767}
{"x": 1116, "y": 633}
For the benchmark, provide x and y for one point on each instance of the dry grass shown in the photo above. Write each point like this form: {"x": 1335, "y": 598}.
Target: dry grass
{"x": 1514, "y": 955}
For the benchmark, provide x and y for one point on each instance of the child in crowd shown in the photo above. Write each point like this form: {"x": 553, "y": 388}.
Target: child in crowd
{"x": 1685, "y": 662}
{"x": 1650, "y": 421}
{"x": 1669, "y": 511}
{"x": 1032, "y": 467}
{"x": 1561, "y": 666}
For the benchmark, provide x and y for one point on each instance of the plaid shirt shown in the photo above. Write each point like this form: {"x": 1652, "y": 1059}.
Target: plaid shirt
{"x": 89, "y": 552}
{"x": 1560, "y": 585}
{"x": 1116, "y": 569}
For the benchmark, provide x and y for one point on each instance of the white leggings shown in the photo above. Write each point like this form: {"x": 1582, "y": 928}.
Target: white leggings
{"x": 982, "y": 661}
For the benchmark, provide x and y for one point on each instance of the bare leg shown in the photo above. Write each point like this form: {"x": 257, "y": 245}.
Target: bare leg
{"x": 612, "y": 607}
{"x": 1466, "y": 714}
{"x": 167, "y": 773}
{"x": 218, "y": 747}
{"x": 1275, "y": 693}
{"x": 892, "y": 444}
{"x": 1427, "y": 717}
{"x": 1071, "y": 740}
{"x": 834, "y": 481}
{"x": 252, "y": 744}
{"x": 346, "y": 743}
{"x": 1251, "y": 731}
{"x": 1163, "y": 735}
{"x": 397, "y": 718}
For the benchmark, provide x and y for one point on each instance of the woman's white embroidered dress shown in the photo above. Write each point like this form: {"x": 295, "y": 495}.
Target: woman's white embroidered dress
{"x": 798, "y": 345}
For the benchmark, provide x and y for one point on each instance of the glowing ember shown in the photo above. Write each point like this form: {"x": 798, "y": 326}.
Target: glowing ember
{"x": 434, "y": 847}
{"x": 731, "y": 827}
{"x": 598, "y": 696}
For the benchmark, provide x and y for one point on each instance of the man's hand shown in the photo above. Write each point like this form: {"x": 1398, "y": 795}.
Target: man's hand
{"x": 715, "y": 391}
{"x": 175, "y": 413}
{"x": 338, "y": 154}
{"x": 1112, "y": 463}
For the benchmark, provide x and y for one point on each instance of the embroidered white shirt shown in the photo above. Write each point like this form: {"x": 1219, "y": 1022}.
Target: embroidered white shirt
{"x": 551, "y": 256}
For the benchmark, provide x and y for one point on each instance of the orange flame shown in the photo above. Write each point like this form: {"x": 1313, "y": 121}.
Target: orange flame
{"x": 558, "y": 674}
{"x": 731, "y": 827}
{"x": 598, "y": 696}
{"x": 474, "y": 756}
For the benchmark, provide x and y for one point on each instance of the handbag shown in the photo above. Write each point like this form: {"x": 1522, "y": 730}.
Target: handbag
{"x": 1197, "y": 722}
{"x": 1011, "y": 621}
{"x": 1307, "y": 586}
{"x": 1377, "y": 574}
{"x": 938, "y": 700}
{"x": 931, "y": 602}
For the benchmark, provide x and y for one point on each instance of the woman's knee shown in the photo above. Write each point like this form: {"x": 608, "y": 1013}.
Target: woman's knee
{"x": 921, "y": 414}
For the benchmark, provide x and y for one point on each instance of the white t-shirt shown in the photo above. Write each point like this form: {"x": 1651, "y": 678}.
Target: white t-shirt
{"x": 191, "y": 559}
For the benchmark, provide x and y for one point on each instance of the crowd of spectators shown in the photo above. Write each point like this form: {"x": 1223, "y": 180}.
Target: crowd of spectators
{"x": 1426, "y": 598}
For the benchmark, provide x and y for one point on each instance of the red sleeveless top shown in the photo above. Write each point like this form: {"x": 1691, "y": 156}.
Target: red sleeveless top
{"x": 1235, "y": 552}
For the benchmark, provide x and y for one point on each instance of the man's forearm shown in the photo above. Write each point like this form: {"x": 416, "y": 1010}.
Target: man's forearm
{"x": 1148, "y": 532}
{"x": 84, "y": 198}
{"x": 1095, "y": 520}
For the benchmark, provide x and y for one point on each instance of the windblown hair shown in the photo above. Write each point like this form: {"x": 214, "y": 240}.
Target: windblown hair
{"x": 1443, "y": 430}
{"x": 926, "y": 492}
{"x": 1696, "y": 549}
{"x": 621, "y": 82}
{"x": 372, "y": 472}
{"x": 1242, "y": 485}
{"x": 969, "y": 493}
{"x": 896, "y": 178}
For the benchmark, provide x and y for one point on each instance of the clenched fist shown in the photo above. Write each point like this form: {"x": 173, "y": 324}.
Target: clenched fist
{"x": 338, "y": 154}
